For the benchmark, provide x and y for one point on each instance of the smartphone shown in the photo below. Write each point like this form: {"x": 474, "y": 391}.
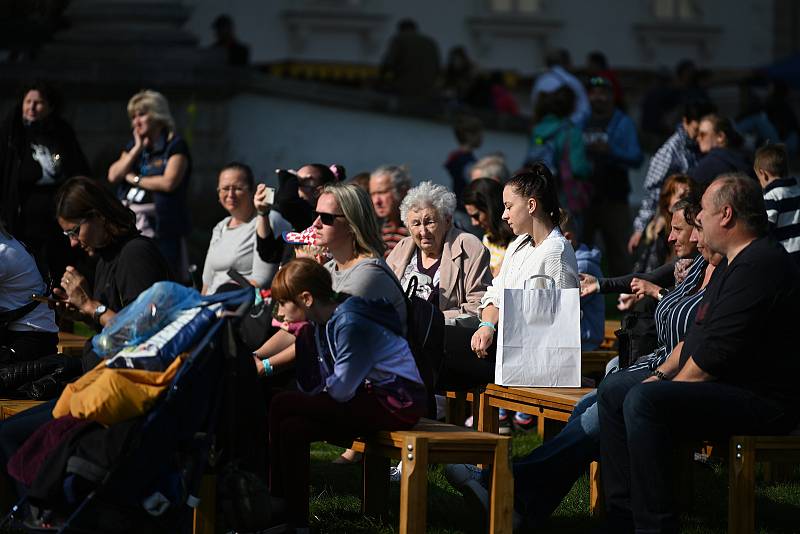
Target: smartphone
{"x": 46, "y": 300}
{"x": 285, "y": 175}
{"x": 270, "y": 198}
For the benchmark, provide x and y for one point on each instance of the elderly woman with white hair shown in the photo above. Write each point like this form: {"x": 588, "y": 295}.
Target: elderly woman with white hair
{"x": 451, "y": 266}
{"x": 153, "y": 174}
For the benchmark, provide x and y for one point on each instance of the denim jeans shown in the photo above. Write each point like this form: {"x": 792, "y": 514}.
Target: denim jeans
{"x": 545, "y": 476}
{"x": 643, "y": 423}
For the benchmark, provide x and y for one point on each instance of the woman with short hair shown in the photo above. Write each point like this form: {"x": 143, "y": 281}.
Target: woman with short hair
{"x": 451, "y": 266}
{"x": 152, "y": 176}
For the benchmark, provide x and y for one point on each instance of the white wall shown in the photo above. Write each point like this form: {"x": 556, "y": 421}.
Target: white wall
{"x": 745, "y": 39}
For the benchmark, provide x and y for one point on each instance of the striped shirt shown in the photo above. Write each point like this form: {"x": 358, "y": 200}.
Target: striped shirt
{"x": 674, "y": 314}
{"x": 782, "y": 200}
{"x": 553, "y": 257}
{"x": 677, "y": 155}
{"x": 392, "y": 233}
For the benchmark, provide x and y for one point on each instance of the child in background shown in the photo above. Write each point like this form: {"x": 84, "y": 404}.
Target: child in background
{"x": 781, "y": 196}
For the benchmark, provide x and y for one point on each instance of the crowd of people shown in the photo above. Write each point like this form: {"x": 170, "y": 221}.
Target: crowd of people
{"x": 707, "y": 266}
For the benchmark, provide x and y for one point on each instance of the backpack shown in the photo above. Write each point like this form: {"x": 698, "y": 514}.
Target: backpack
{"x": 425, "y": 336}
{"x": 544, "y": 149}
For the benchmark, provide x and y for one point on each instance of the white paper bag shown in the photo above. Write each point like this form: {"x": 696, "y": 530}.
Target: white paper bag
{"x": 539, "y": 337}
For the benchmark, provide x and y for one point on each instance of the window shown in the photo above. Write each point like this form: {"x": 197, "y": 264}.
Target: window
{"x": 518, "y": 7}
{"x": 676, "y": 10}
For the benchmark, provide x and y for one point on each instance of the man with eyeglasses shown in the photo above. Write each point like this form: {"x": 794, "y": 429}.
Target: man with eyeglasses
{"x": 612, "y": 146}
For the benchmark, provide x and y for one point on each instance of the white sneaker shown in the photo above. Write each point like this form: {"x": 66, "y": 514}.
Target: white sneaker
{"x": 396, "y": 472}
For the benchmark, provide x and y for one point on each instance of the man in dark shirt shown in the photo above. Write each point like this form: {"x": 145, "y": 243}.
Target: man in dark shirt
{"x": 732, "y": 375}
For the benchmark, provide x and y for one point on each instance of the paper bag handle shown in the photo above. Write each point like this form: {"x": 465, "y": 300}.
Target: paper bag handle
{"x": 546, "y": 277}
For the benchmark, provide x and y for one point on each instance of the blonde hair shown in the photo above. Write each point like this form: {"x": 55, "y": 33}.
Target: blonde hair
{"x": 360, "y": 216}
{"x": 154, "y": 104}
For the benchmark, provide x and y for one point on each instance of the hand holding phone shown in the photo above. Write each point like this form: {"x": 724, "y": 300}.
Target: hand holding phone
{"x": 264, "y": 198}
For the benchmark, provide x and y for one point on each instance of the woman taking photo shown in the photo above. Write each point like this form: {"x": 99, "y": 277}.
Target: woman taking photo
{"x": 233, "y": 240}
{"x": 451, "y": 266}
{"x": 532, "y": 212}
{"x": 153, "y": 175}
{"x": 483, "y": 200}
{"x": 358, "y": 376}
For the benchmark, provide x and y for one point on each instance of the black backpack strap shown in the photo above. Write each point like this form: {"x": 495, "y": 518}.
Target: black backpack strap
{"x": 12, "y": 315}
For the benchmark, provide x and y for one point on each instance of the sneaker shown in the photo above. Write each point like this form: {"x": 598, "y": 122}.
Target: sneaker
{"x": 396, "y": 472}
{"x": 469, "y": 480}
{"x": 505, "y": 423}
{"x": 524, "y": 422}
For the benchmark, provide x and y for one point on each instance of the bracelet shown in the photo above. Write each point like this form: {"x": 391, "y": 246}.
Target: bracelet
{"x": 658, "y": 374}
{"x": 489, "y": 324}
{"x": 262, "y": 213}
{"x": 268, "y": 370}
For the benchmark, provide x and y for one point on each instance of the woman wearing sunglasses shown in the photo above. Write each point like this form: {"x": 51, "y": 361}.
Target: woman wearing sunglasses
{"x": 345, "y": 225}
{"x": 127, "y": 263}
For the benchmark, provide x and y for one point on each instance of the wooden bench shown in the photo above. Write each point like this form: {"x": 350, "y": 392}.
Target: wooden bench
{"x": 549, "y": 405}
{"x": 9, "y": 407}
{"x": 71, "y": 344}
{"x": 431, "y": 442}
{"x": 745, "y": 452}
{"x": 609, "y": 337}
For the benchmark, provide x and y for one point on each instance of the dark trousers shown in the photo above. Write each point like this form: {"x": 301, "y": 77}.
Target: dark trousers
{"x": 640, "y": 427}
{"x": 559, "y": 461}
{"x": 612, "y": 220}
{"x": 461, "y": 368}
{"x": 297, "y": 419}
{"x": 23, "y": 346}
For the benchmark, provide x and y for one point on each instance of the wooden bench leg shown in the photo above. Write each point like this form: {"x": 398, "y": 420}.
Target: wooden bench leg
{"x": 501, "y": 507}
{"x": 489, "y": 417}
{"x": 414, "y": 486}
{"x": 742, "y": 486}
{"x": 456, "y": 410}
{"x": 375, "y": 497}
{"x": 596, "y": 501}
{"x": 204, "y": 520}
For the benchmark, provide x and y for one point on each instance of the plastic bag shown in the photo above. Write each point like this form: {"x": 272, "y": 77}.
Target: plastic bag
{"x": 153, "y": 309}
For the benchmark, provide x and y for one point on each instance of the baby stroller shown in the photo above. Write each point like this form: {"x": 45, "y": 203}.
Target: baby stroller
{"x": 144, "y": 474}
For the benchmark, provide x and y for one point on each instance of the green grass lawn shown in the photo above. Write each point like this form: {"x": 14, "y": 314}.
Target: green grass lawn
{"x": 335, "y": 501}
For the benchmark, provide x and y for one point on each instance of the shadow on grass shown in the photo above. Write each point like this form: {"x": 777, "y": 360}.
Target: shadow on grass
{"x": 336, "y": 501}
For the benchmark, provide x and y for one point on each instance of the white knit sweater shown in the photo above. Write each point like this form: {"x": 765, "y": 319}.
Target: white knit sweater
{"x": 553, "y": 257}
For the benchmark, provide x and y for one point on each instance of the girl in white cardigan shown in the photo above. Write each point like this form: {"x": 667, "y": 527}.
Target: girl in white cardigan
{"x": 531, "y": 210}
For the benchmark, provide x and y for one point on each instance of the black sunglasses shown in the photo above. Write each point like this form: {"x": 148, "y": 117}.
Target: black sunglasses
{"x": 327, "y": 218}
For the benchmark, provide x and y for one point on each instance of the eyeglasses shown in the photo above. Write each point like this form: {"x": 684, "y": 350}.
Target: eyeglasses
{"x": 236, "y": 190}
{"x": 75, "y": 230}
{"x": 327, "y": 218}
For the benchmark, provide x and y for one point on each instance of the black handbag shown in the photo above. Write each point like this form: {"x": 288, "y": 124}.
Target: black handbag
{"x": 638, "y": 336}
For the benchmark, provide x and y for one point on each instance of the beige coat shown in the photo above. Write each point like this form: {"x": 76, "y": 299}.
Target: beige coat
{"x": 463, "y": 273}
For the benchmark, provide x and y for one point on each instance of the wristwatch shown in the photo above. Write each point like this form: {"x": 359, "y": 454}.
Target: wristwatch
{"x": 658, "y": 374}
{"x": 98, "y": 311}
{"x": 137, "y": 179}
{"x": 662, "y": 293}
